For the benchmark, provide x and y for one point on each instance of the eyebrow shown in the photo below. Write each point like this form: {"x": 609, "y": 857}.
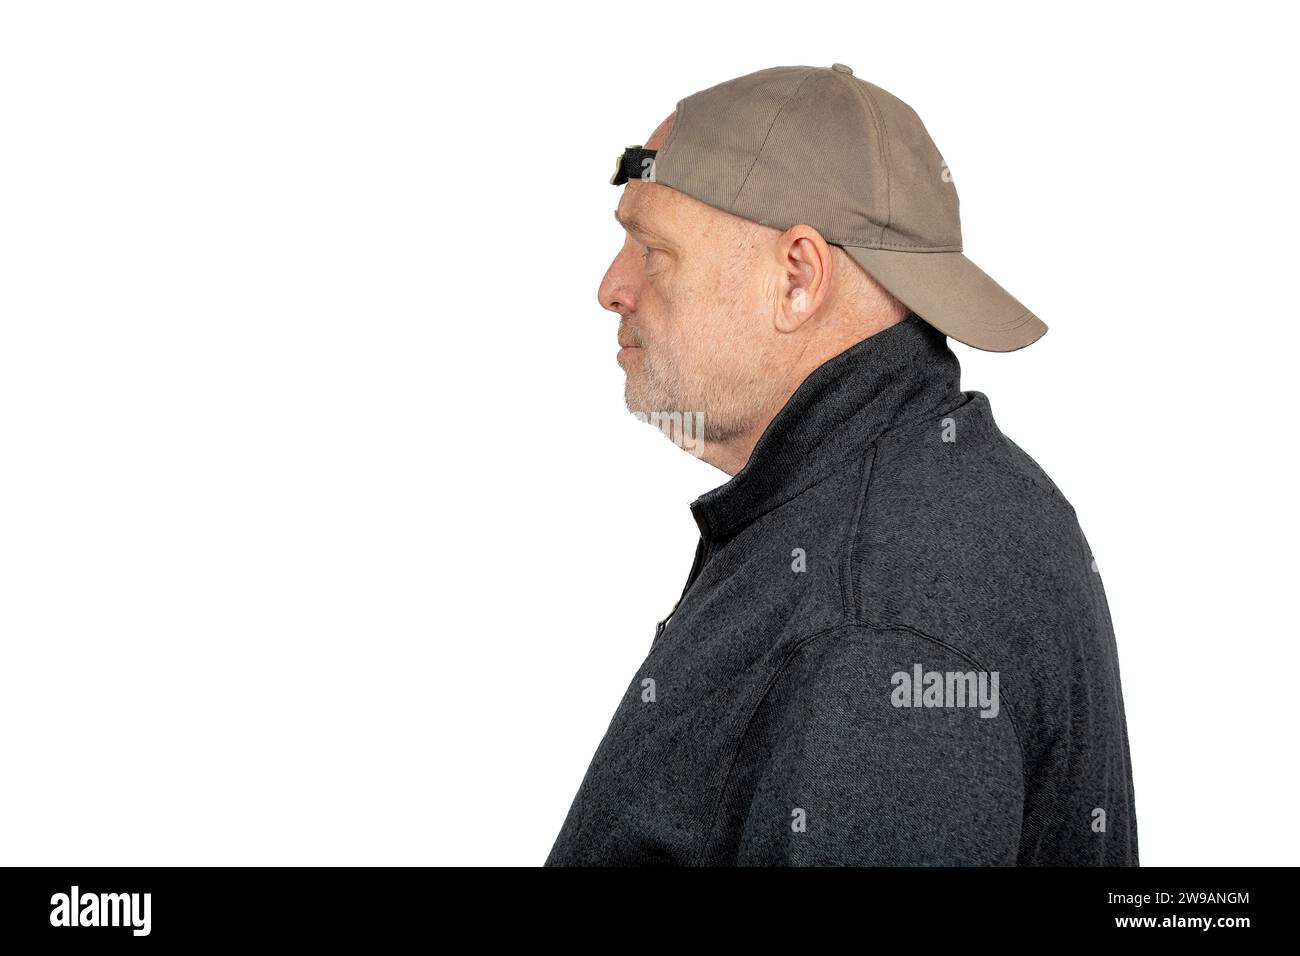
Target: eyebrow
{"x": 632, "y": 224}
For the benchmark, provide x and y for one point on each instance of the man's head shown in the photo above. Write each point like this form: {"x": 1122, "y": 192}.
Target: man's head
{"x": 786, "y": 215}
{"x": 726, "y": 317}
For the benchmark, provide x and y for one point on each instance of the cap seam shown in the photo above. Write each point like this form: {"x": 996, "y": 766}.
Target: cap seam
{"x": 892, "y": 245}
{"x": 883, "y": 130}
{"x": 1022, "y": 319}
{"x": 1018, "y": 321}
{"x": 679, "y": 110}
{"x": 735, "y": 199}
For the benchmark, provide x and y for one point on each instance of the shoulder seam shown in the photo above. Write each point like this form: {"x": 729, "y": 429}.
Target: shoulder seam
{"x": 848, "y": 593}
{"x": 749, "y": 721}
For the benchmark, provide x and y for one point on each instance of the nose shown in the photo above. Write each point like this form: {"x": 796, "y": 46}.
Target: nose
{"x": 617, "y": 288}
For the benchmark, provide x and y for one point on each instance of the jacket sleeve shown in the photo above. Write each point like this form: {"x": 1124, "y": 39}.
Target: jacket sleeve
{"x": 840, "y": 766}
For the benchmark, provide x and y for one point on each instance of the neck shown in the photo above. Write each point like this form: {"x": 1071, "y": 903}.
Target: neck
{"x": 731, "y": 453}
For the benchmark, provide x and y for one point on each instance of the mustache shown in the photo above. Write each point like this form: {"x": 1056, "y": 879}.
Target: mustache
{"x": 627, "y": 335}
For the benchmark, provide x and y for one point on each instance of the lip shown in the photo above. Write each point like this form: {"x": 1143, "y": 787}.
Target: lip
{"x": 627, "y": 348}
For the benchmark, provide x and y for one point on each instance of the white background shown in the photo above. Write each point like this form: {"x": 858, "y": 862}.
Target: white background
{"x": 325, "y": 536}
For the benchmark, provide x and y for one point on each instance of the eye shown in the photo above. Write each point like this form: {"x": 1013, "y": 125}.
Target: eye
{"x": 653, "y": 260}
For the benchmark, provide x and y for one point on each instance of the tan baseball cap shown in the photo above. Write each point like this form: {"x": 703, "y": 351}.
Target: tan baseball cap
{"x": 818, "y": 146}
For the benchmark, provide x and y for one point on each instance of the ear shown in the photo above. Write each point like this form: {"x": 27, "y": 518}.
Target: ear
{"x": 805, "y": 260}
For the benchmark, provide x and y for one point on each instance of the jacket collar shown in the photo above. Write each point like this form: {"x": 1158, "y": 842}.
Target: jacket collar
{"x": 896, "y": 375}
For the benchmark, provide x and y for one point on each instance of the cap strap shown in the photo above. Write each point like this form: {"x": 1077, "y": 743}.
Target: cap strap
{"x": 634, "y": 163}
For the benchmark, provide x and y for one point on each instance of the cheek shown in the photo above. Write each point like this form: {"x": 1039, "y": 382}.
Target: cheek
{"x": 704, "y": 318}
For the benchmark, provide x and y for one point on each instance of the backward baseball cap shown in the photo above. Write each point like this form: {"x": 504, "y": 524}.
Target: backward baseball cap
{"x": 818, "y": 146}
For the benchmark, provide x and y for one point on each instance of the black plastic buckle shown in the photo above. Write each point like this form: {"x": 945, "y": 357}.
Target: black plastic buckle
{"x": 635, "y": 162}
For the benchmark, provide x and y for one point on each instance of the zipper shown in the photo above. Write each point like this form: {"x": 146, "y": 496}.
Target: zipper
{"x": 701, "y": 556}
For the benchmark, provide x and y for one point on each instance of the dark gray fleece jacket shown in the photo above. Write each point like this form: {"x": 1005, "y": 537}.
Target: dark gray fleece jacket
{"x": 893, "y": 647}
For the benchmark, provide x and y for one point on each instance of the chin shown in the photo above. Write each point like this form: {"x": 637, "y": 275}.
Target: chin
{"x": 638, "y": 403}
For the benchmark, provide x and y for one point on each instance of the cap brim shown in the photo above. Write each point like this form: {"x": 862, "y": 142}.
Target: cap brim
{"x": 954, "y": 295}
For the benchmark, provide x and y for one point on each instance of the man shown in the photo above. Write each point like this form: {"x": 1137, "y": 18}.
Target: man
{"x": 893, "y": 646}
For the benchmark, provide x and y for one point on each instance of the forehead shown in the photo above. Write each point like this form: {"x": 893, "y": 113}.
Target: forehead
{"x": 661, "y": 211}
{"x": 643, "y": 201}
